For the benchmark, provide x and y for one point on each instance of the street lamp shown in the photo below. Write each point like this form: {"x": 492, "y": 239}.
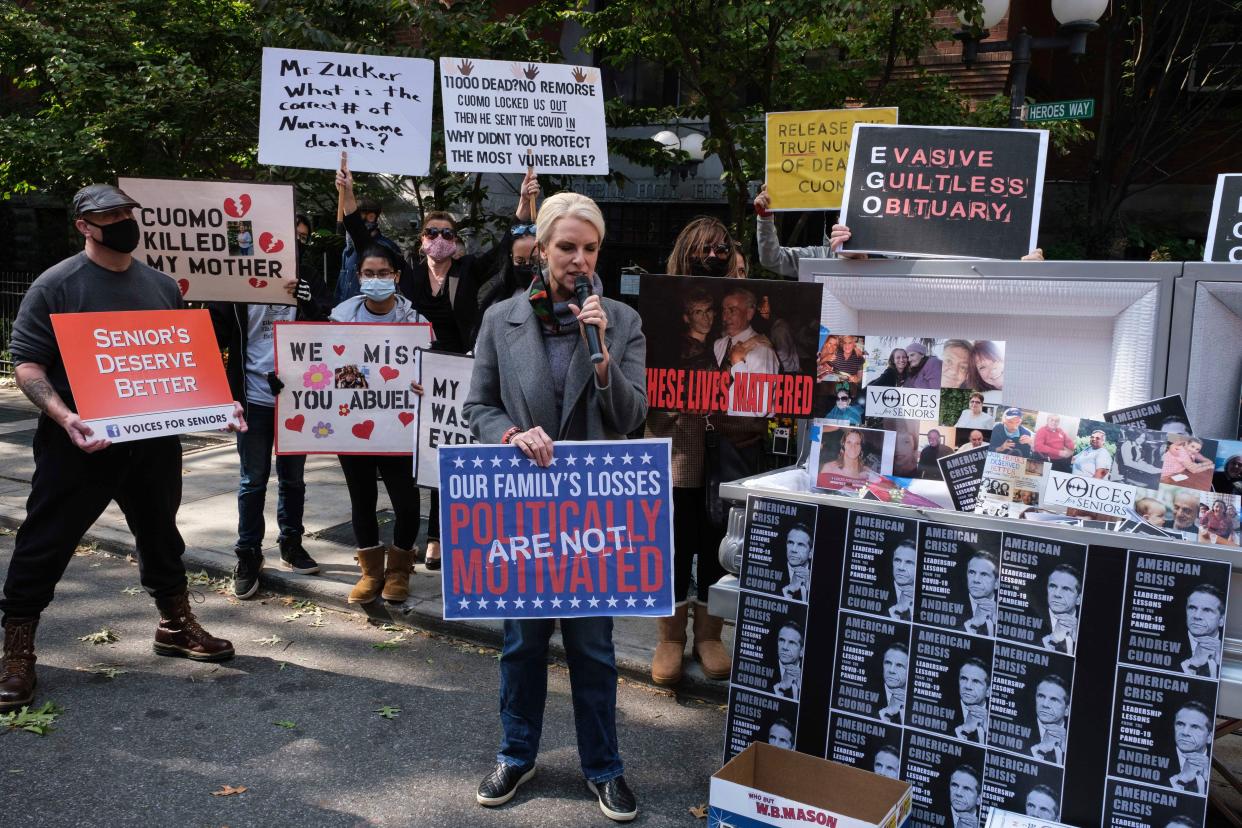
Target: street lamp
{"x": 691, "y": 144}
{"x": 1077, "y": 18}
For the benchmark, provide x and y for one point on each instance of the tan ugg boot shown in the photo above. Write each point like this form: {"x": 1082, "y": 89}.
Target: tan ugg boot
{"x": 707, "y": 646}
{"x": 666, "y": 662}
{"x": 371, "y": 562}
{"x": 397, "y": 574}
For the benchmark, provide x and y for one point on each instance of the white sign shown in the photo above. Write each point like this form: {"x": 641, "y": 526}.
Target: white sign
{"x": 376, "y": 108}
{"x": 501, "y": 116}
{"x": 1088, "y": 494}
{"x": 446, "y": 384}
{"x": 348, "y": 386}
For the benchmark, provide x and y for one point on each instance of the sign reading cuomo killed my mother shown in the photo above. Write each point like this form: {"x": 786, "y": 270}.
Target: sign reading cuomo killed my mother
{"x": 944, "y": 192}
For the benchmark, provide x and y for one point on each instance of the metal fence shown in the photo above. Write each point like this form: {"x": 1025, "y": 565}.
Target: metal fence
{"x": 13, "y": 286}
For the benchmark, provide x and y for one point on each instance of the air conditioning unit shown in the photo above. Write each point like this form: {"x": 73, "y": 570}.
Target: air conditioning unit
{"x": 1204, "y": 347}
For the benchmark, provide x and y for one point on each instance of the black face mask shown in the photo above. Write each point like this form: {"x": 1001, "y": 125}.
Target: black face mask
{"x": 523, "y": 273}
{"x": 710, "y": 266}
{"x": 373, "y": 228}
{"x": 121, "y": 236}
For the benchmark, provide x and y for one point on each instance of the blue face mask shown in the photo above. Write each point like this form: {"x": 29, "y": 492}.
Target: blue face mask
{"x": 378, "y": 289}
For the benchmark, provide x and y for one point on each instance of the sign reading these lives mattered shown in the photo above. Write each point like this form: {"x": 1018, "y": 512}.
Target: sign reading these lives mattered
{"x": 317, "y": 104}
{"x": 503, "y": 116}
{"x": 221, "y": 241}
{"x": 441, "y": 420}
{"x": 808, "y": 153}
{"x": 348, "y": 387}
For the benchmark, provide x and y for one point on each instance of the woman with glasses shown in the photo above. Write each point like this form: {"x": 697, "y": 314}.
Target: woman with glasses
{"x": 703, "y": 248}
{"x": 385, "y": 570}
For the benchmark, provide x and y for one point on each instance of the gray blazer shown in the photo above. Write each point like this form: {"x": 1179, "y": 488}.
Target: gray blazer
{"x": 512, "y": 380}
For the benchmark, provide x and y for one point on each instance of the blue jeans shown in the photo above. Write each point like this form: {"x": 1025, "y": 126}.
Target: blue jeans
{"x": 254, "y": 446}
{"x": 593, "y": 683}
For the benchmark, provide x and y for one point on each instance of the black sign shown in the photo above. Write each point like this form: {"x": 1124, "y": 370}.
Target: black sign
{"x": 1224, "y": 239}
{"x": 947, "y": 192}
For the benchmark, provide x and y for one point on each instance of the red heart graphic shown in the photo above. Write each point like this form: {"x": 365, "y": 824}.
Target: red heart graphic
{"x": 295, "y": 423}
{"x": 184, "y": 284}
{"x": 389, "y": 373}
{"x": 258, "y": 283}
{"x": 363, "y": 429}
{"x": 237, "y": 208}
{"x": 340, "y": 349}
{"x": 406, "y": 418}
{"x": 270, "y": 244}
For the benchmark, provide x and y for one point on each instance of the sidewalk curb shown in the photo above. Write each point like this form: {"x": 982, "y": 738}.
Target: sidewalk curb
{"x": 419, "y": 612}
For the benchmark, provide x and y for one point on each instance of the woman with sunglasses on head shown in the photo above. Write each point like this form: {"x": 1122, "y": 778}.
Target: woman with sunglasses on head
{"x": 518, "y": 269}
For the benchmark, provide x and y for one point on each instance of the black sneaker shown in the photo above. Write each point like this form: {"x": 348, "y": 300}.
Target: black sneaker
{"x": 499, "y": 786}
{"x": 616, "y": 799}
{"x": 246, "y": 573}
{"x": 293, "y": 557}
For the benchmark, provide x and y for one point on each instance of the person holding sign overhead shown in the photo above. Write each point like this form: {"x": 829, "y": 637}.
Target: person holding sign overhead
{"x": 536, "y": 382}
{"x": 78, "y": 472}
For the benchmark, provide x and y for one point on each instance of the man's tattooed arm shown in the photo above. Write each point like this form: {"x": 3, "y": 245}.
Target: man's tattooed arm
{"x": 32, "y": 379}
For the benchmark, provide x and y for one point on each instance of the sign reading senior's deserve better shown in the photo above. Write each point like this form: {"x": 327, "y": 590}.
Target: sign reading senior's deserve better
{"x": 503, "y": 116}
{"x": 590, "y": 535}
{"x": 139, "y": 374}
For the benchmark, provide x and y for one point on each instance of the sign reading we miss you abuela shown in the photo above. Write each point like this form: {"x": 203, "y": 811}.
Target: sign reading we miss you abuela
{"x": 221, "y": 241}
{"x": 948, "y": 192}
{"x": 808, "y": 153}
{"x": 503, "y": 116}
{"x": 376, "y": 108}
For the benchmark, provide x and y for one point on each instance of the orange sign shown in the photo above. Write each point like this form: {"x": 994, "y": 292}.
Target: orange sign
{"x": 138, "y": 374}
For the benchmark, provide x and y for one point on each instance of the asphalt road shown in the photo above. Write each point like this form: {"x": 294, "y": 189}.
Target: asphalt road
{"x": 149, "y": 745}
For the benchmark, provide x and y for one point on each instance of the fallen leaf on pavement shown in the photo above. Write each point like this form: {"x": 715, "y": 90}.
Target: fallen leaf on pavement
{"x": 229, "y": 790}
{"x": 700, "y": 812}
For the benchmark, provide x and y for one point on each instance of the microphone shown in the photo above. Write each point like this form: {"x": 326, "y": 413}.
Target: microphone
{"x": 582, "y": 290}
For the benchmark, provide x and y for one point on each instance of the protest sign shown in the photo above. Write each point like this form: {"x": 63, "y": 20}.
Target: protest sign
{"x": 315, "y": 105}
{"x": 722, "y": 346}
{"x": 1224, "y": 237}
{"x": 139, "y": 374}
{"x": 808, "y": 152}
{"x": 503, "y": 116}
{"x": 221, "y": 241}
{"x": 441, "y": 421}
{"x": 946, "y": 192}
{"x": 347, "y": 386}
{"x": 590, "y": 535}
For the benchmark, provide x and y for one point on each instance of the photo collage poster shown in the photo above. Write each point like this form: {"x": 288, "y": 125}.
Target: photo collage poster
{"x": 765, "y": 691}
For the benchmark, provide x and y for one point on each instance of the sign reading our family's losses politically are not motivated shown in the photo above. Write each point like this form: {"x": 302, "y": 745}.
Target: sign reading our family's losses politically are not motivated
{"x": 948, "y": 192}
{"x": 348, "y": 387}
{"x": 139, "y": 374}
{"x": 317, "y": 104}
{"x": 221, "y": 241}
{"x": 1224, "y": 238}
{"x": 808, "y": 152}
{"x": 441, "y": 421}
{"x": 503, "y": 116}
{"x": 731, "y": 347}
{"x": 590, "y": 535}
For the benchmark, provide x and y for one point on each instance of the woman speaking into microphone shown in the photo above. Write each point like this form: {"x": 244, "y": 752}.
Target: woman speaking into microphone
{"x": 536, "y": 382}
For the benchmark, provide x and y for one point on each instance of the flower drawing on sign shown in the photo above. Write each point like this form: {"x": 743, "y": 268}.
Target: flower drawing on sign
{"x": 322, "y": 430}
{"x": 317, "y": 376}
{"x": 343, "y": 410}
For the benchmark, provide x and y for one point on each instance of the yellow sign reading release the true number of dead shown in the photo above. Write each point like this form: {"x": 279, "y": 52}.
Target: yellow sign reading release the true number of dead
{"x": 808, "y": 153}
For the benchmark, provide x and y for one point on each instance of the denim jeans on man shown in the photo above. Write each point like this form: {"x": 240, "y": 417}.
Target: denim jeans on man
{"x": 255, "y": 448}
{"x": 593, "y": 684}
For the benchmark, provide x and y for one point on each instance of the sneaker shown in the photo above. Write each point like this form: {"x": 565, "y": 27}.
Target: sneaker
{"x": 294, "y": 558}
{"x": 246, "y": 573}
{"x": 499, "y": 786}
{"x": 616, "y": 799}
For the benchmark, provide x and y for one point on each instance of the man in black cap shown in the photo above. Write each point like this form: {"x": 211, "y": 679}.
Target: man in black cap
{"x": 347, "y": 285}
{"x": 78, "y": 472}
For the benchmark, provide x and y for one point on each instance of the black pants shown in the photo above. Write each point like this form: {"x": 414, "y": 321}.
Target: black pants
{"x": 398, "y": 473}
{"x": 68, "y": 493}
{"x": 694, "y": 534}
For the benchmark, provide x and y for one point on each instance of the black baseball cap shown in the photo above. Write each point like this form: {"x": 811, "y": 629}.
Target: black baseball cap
{"x": 95, "y": 198}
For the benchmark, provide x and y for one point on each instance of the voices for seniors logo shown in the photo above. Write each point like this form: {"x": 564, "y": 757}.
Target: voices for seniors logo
{"x": 1088, "y": 494}
{"x": 903, "y": 403}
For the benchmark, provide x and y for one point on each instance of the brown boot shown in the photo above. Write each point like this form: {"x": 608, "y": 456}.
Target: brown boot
{"x": 666, "y": 662}
{"x": 707, "y": 647}
{"x": 371, "y": 562}
{"x": 397, "y": 574}
{"x": 180, "y": 634}
{"x": 17, "y": 670}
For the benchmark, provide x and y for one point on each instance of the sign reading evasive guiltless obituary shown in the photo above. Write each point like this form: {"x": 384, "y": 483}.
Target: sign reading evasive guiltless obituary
{"x": 590, "y": 535}
{"x": 1224, "y": 238}
{"x": 948, "y": 192}
{"x": 505, "y": 116}
{"x": 221, "y": 241}
{"x": 316, "y": 105}
{"x": 442, "y": 417}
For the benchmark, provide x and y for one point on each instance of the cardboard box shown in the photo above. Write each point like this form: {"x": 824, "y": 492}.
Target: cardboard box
{"x": 766, "y": 785}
